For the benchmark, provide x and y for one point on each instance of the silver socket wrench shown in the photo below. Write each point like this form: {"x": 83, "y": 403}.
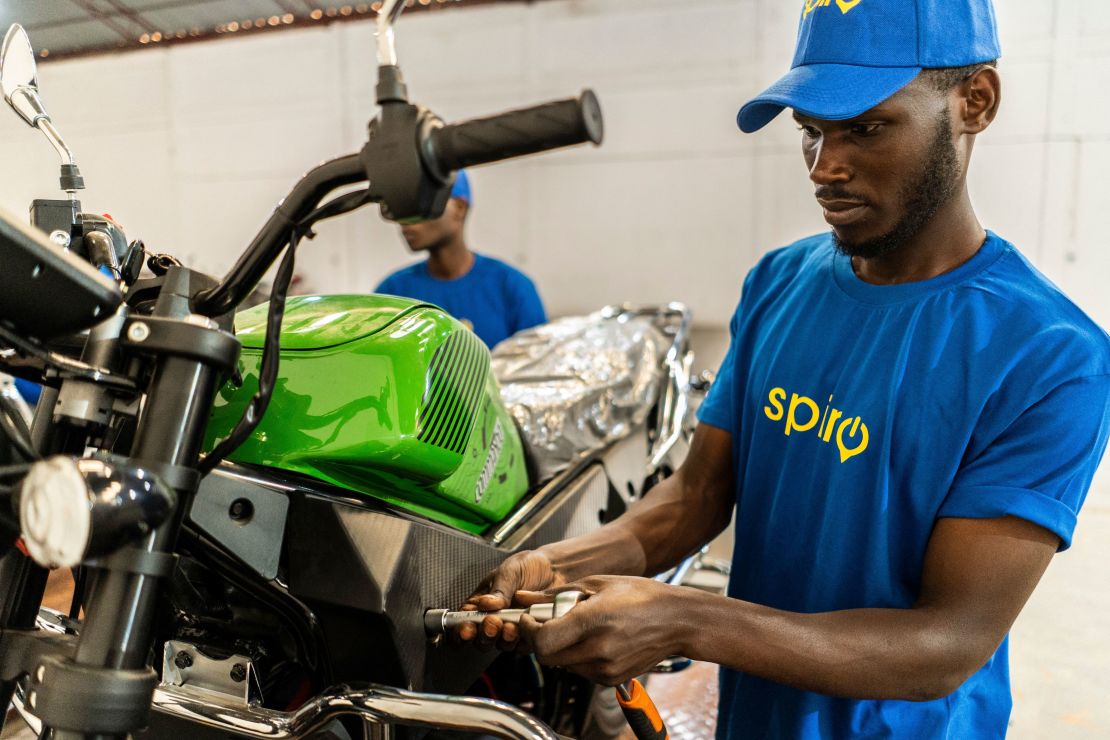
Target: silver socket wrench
{"x": 441, "y": 621}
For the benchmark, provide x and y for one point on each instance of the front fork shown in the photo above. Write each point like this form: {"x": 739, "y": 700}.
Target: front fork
{"x": 111, "y": 666}
{"x": 22, "y": 580}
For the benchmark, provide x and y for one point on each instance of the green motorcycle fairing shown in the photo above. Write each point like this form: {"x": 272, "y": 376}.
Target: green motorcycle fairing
{"x": 383, "y": 396}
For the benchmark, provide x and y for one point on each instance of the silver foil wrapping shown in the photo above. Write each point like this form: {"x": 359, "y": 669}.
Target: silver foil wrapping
{"x": 578, "y": 383}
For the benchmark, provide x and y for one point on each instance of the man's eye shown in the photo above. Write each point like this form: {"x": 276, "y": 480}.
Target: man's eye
{"x": 809, "y": 131}
{"x": 866, "y": 129}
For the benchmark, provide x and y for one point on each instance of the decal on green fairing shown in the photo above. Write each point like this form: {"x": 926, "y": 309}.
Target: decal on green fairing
{"x": 383, "y": 396}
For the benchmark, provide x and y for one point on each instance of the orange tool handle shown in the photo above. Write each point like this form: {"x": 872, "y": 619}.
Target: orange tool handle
{"x": 641, "y": 713}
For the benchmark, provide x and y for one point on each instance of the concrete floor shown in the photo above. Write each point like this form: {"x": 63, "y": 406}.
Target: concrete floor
{"x": 1060, "y": 646}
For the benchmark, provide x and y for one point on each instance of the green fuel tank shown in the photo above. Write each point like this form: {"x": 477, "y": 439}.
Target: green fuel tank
{"x": 385, "y": 397}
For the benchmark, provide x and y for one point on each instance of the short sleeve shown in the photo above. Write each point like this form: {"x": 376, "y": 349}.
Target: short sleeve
{"x": 528, "y": 309}
{"x": 1040, "y": 468}
{"x": 718, "y": 409}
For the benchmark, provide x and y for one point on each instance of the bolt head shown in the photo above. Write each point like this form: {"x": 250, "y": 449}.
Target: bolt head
{"x": 60, "y": 238}
{"x": 238, "y": 672}
{"x": 183, "y": 660}
{"x": 138, "y": 331}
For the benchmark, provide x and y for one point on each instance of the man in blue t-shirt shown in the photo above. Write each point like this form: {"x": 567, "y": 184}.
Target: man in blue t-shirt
{"x": 489, "y": 296}
{"x": 906, "y": 425}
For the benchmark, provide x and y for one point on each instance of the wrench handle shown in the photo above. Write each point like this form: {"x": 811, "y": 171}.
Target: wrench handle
{"x": 640, "y": 711}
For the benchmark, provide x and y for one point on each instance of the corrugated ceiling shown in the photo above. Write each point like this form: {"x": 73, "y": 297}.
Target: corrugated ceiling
{"x": 67, "y": 28}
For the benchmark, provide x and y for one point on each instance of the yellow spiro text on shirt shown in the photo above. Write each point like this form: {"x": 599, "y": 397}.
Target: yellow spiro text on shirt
{"x": 803, "y": 414}
{"x": 844, "y": 5}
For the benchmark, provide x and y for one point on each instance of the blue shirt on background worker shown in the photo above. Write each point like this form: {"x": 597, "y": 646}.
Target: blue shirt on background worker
{"x": 489, "y": 296}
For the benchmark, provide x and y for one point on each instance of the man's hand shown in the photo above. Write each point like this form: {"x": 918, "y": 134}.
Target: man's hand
{"x": 675, "y": 518}
{"x": 622, "y": 628}
{"x": 530, "y": 570}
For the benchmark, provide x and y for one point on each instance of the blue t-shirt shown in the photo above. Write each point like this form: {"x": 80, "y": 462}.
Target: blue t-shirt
{"x": 494, "y": 299}
{"x": 860, "y": 414}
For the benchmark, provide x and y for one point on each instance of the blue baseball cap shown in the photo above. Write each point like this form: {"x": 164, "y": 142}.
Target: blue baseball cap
{"x": 854, "y": 54}
{"x": 461, "y": 188}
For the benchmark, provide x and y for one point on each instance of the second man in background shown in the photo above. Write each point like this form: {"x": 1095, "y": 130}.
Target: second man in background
{"x": 489, "y": 296}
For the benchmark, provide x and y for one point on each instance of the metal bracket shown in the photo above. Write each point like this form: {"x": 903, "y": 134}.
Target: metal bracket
{"x": 196, "y": 337}
{"x": 234, "y": 677}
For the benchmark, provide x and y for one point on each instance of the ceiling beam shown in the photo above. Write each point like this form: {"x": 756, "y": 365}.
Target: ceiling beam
{"x": 313, "y": 15}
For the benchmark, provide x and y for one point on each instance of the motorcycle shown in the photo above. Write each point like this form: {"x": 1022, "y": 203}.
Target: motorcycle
{"x": 259, "y": 508}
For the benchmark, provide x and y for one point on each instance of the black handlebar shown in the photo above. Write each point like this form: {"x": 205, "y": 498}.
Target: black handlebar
{"x": 410, "y": 182}
{"x": 274, "y": 234}
{"x": 517, "y": 133}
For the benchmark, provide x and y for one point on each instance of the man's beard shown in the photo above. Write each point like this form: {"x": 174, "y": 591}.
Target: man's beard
{"x": 920, "y": 201}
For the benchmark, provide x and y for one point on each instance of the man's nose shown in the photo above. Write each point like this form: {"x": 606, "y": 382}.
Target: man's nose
{"x": 830, "y": 164}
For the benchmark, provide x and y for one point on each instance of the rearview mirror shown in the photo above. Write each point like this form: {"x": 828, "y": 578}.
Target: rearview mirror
{"x": 18, "y": 78}
{"x": 20, "y": 86}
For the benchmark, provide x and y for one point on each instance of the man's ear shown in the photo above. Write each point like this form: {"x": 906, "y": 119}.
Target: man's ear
{"x": 979, "y": 96}
{"x": 460, "y": 209}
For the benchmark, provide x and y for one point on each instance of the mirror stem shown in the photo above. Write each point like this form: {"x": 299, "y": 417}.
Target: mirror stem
{"x": 71, "y": 180}
{"x": 55, "y": 139}
{"x": 387, "y": 50}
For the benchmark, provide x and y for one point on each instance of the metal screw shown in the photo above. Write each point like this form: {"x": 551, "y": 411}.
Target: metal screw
{"x": 60, "y": 238}
{"x": 238, "y": 673}
{"x": 138, "y": 332}
{"x": 182, "y": 660}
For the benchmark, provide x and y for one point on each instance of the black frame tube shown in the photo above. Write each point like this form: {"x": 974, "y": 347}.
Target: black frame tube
{"x": 274, "y": 234}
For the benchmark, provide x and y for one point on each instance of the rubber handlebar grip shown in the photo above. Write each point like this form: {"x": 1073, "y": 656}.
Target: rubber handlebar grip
{"x": 517, "y": 133}
{"x": 642, "y": 716}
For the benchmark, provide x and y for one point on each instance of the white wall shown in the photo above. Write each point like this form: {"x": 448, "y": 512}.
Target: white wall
{"x": 190, "y": 147}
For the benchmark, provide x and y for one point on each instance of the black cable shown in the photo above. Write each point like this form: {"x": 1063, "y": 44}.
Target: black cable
{"x": 79, "y": 576}
{"x": 15, "y": 428}
{"x": 271, "y": 346}
{"x": 9, "y": 471}
{"x": 267, "y": 372}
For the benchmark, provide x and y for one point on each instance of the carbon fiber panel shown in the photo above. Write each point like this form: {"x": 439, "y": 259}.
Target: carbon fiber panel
{"x": 353, "y": 554}
{"x": 577, "y": 510}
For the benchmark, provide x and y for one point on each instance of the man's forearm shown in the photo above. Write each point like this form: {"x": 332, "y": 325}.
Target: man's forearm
{"x": 655, "y": 534}
{"x": 910, "y": 654}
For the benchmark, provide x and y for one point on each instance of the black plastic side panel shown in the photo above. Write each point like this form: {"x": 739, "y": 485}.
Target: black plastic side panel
{"x": 253, "y": 530}
{"x": 347, "y": 556}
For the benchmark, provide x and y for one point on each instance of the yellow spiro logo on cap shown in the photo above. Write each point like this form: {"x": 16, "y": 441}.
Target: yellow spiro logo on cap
{"x": 844, "y": 5}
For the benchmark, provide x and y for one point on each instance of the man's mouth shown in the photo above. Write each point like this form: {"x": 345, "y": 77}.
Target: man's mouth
{"x": 842, "y": 212}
